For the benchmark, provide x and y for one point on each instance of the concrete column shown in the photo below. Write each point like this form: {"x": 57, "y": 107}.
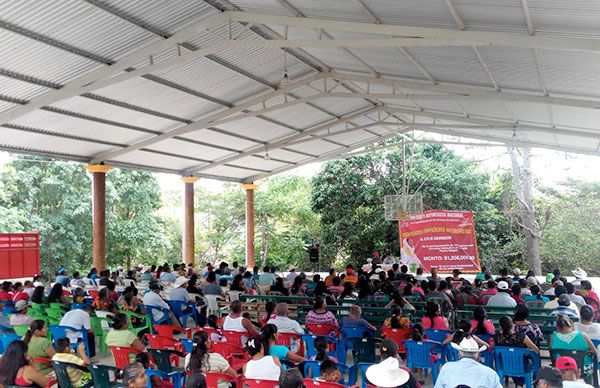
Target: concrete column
{"x": 249, "y": 224}
{"x": 188, "y": 220}
{"x": 98, "y": 172}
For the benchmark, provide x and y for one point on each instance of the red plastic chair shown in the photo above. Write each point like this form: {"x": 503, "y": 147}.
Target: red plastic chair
{"x": 321, "y": 384}
{"x": 209, "y": 330}
{"x": 236, "y": 355}
{"x": 122, "y": 354}
{"x": 286, "y": 340}
{"x": 253, "y": 383}
{"x": 93, "y": 293}
{"x": 212, "y": 379}
{"x": 323, "y": 329}
{"x": 398, "y": 336}
{"x": 236, "y": 337}
{"x": 164, "y": 343}
{"x": 171, "y": 330}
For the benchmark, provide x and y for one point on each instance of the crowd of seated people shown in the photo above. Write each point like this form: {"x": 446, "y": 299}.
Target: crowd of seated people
{"x": 414, "y": 303}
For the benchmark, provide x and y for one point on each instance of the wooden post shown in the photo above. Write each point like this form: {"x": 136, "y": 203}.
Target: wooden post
{"x": 249, "y": 225}
{"x": 188, "y": 220}
{"x": 98, "y": 172}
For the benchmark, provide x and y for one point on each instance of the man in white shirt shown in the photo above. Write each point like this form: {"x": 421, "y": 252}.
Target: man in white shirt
{"x": 570, "y": 373}
{"x": 467, "y": 371}
{"x": 554, "y": 304}
{"x": 283, "y": 323}
{"x": 153, "y": 298}
{"x": 292, "y": 275}
{"x": 502, "y": 298}
{"x": 80, "y": 319}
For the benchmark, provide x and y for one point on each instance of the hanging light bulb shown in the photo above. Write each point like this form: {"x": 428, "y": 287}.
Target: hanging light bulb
{"x": 285, "y": 80}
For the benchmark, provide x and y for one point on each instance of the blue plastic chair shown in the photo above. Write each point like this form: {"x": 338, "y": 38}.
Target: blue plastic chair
{"x": 510, "y": 362}
{"x": 58, "y": 331}
{"x": 437, "y": 335}
{"x": 349, "y": 334}
{"x": 8, "y": 307}
{"x": 418, "y": 355}
{"x": 309, "y": 340}
{"x": 178, "y": 307}
{"x": 314, "y": 368}
{"x": 174, "y": 376}
{"x": 188, "y": 344}
{"x": 6, "y": 339}
{"x": 362, "y": 368}
{"x": 165, "y": 315}
{"x": 486, "y": 357}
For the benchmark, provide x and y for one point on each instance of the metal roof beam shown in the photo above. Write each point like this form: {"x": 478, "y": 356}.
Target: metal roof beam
{"x": 284, "y": 141}
{"x": 92, "y": 79}
{"x": 467, "y": 37}
{"x": 208, "y": 121}
{"x": 468, "y": 90}
{"x": 494, "y": 123}
{"x": 327, "y": 156}
{"x": 455, "y": 15}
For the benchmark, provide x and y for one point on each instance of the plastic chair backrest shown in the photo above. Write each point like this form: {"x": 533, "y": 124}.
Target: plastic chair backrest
{"x": 162, "y": 358}
{"x": 253, "y": 383}
{"x": 321, "y": 329}
{"x": 6, "y": 339}
{"x": 122, "y": 355}
{"x": 60, "y": 369}
{"x": 309, "y": 340}
{"x": 212, "y": 302}
{"x": 163, "y": 342}
{"x": 398, "y": 336}
{"x": 437, "y": 335}
{"x": 320, "y": 384}
{"x": 187, "y": 344}
{"x": 20, "y": 329}
{"x": 93, "y": 293}
{"x": 313, "y": 369}
{"x": 8, "y": 307}
{"x": 510, "y": 360}
{"x": 175, "y": 376}
{"x": 418, "y": 353}
{"x": 234, "y": 295}
{"x": 365, "y": 350}
{"x": 235, "y": 337}
{"x": 587, "y": 362}
{"x": 291, "y": 341}
{"x": 164, "y": 317}
{"x": 58, "y": 331}
{"x": 168, "y": 330}
{"x": 128, "y": 282}
{"x": 350, "y": 333}
{"x": 101, "y": 375}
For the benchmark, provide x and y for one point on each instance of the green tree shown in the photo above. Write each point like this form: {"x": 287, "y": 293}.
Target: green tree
{"x": 348, "y": 194}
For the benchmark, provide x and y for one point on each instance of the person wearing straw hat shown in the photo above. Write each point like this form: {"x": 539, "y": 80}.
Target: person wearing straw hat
{"x": 579, "y": 273}
{"x": 179, "y": 292}
{"x": 467, "y": 371}
{"x": 387, "y": 374}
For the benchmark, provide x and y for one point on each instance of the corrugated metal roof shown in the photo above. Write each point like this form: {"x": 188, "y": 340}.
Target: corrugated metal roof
{"x": 48, "y": 44}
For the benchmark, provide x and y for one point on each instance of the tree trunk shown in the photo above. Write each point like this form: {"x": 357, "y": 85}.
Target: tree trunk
{"x": 523, "y": 185}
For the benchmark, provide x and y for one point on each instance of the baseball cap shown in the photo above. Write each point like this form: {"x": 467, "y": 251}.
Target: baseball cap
{"x": 550, "y": 374}
{"x": 564, "y": 300}
{"x": 20, "y": 305}
{"x": 502, "y": 285}
{"x": 566, "y": 363}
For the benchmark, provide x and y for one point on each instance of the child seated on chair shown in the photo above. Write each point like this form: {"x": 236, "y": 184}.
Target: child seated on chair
{"x": 329, "y": 372}
{"x": 64, "y": 353}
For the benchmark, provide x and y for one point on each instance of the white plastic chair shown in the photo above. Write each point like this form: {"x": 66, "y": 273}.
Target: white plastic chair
{"x": 212, "y": 304}
{"x": 234, "y": 295}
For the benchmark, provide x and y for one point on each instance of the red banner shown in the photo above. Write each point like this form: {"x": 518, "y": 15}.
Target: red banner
{"x": 443, "y": 239}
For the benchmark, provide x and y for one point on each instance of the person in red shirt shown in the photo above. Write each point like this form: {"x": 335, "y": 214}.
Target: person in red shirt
{"x": 516, "y": 293}
{"x": 19, "y": 294}
{"x": 6, "y": 292}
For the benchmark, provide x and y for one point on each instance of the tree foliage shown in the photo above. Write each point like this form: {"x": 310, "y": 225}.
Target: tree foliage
{"x": 348, "y": 194}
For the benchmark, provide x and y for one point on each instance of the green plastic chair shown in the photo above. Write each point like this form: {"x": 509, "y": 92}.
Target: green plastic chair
{"x": 60, "y": 368}
{"x": 100, "y": 332}
{"x": 145, "y": 317}
{"x": 101, "y": 376}
{"x": 54, "y": 315}
{"x": 60, "y": 306}
{"x": 20, "y": 330}
{"x": 162, "y": 359}
{"x": 38, "y": 307}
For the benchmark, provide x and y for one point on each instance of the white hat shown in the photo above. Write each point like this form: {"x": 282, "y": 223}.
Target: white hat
{"x": 120, "y": 268}
{"x": 387, "y": 373}
{"x": 292, "y": 268}
{"x": 468, "y": 345}
{"x": 517, "y": 272}
{"x": 579, "y": 273}
{"x": 502, "y": 285}
{"x": 180, "y": 281}
{"x": 532, "y": 280}
{"x": 21, "y": 305}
